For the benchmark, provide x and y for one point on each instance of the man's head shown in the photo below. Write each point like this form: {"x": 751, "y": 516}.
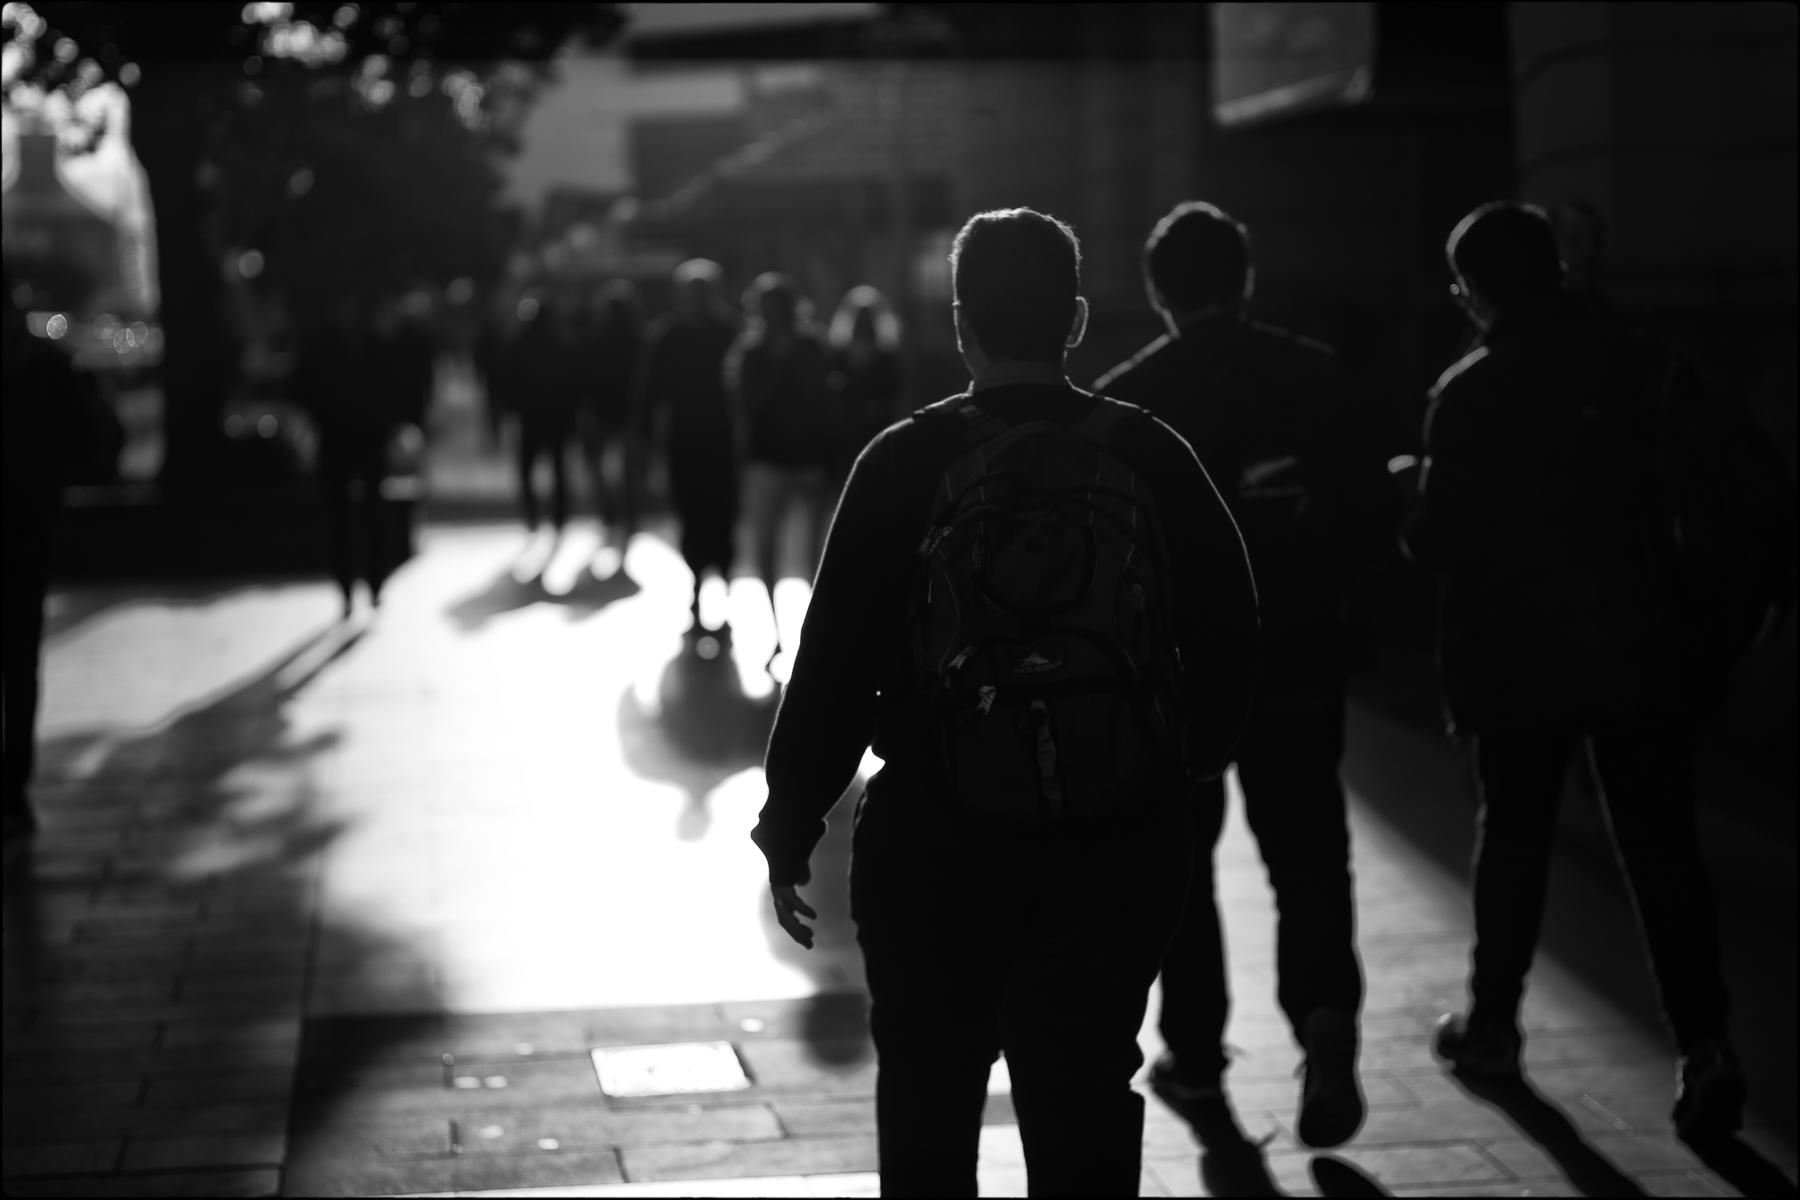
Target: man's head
{"x": 1504, "y": 257}
{"x": 1197, "y": 259}
{"x": 1016, "y": 275}
{"x": 697, "y": 285}
{"x": 775, "y": 300}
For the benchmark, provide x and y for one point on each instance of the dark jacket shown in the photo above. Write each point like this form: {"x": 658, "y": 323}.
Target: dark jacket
{"x": 344, "y": 383}
{"x": 1535, "y": 504}
{"x": 679, "y": 394}
{"x": 58, "y": 428}
{"x": 782, "y": 394}
{"x": 851, "y": 681}
{"x": 609, "y": 359}
{"x": 1280, "y": 429}
{"x": 865, "y": 398}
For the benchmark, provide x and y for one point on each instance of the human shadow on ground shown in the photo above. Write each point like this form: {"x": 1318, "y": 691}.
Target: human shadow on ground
{"x": 702, "y": 728}
{"x": 520, "y": 584}
{"x": 1740, "y": 1164}
{"x": 1231, "y": 1162}
{"x": 1334, "y": 1176}
{"x": 1588, "y": 1171}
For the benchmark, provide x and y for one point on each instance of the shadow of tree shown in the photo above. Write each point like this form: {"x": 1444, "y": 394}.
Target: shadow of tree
{"x": 169, "y": 820}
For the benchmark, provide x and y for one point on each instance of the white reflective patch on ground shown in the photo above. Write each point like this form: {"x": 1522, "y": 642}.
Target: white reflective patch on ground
{"x": 669, "y": 1070}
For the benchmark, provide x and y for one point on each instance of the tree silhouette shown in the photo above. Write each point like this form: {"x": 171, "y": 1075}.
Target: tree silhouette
{"x": 349, "y": 135}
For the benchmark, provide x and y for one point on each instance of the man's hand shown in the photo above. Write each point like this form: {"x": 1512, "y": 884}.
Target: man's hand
{"x": 789, "y": 908}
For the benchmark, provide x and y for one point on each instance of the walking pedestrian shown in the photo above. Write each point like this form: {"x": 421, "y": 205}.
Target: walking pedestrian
{"x": 546, "y": 397}
{"x": 340, "y": 380}
{"x": 863, "y": 344}
{"x": 1533, "y": 501}
{"x": 1020, "y": 860}
{"x": 1276, "y": 422}
{"x": 56, "y": 429}
{"x": 777, "y": 375}
{"x": 608, "y": 353}
{"x": 682, "y": 410}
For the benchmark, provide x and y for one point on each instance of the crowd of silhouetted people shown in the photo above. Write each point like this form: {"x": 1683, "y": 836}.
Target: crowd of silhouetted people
{"x": 1060, "y": 613}
{"x": 752, "y": 414}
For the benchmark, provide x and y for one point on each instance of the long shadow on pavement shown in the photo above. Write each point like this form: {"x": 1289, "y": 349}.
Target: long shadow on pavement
{"x": 159, "y": 940}
{"x": 1399, "y": 765}
{"x": 1231, "y": 1163}
{"x": 1587, "y": 1170}
{"x": 703, "y": 728}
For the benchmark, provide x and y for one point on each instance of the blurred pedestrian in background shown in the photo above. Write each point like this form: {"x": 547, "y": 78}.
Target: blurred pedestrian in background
{"x": 863, "y": 344}
{"x": 682, "y": 411}
{"x": 57, "y": 429}
{"x": 611, "y": 343}
{"x": 1283, "y": 434}
{"x": 1536, "y": 503}
{"x": 492, "y": 343}
{"x": 1580, "y": 230}
{"x": 777, "y": 374}
{"x": 546, "y": 385}
{"x": 342, "y": 380}
{"x": 1021, "y": 858}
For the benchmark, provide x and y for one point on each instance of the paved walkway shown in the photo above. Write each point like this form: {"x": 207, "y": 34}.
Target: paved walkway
{"x": 346, "y": 908}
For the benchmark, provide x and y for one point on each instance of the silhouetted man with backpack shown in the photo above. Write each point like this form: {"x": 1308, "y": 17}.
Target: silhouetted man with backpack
{"x": 1586, "y": 509}
{"x": 1274, "y": 419}
{"x": 1036, "y": 604}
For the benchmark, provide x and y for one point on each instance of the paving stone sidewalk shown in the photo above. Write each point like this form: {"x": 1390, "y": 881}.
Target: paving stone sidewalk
{"x": 344, "y": 909}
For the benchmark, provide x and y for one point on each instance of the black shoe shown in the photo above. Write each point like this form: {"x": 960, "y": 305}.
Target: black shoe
{"x": 1183, "y": 1088}
{"x": 1331, "y": 1101}
{"x": 1477, "y": 1049}
{"x": 1709, "y": 1093}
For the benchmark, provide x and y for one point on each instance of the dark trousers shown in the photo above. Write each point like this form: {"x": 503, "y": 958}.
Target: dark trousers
{"x": 538, "y": 441}
{"x": 979, "y": 942}
{"x": 611, "y": 505}
{"x": 357, "y": 530}
{"x": 25, "y": 584}
{"x": 1646, "y": 777}
{"x": 1287, "y": 767}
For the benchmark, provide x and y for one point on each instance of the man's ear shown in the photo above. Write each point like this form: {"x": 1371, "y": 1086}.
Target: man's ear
{"x": 965, "y": 337}
{"x": 1078, "y": 329}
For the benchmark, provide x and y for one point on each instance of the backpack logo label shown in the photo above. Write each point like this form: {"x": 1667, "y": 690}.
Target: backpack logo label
{"x": 1035, "y": 663}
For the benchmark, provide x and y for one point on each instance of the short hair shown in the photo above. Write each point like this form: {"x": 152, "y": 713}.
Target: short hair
{"x": 1198, "y": 257}
{"x": 1016, "y": 274}
{"x": 784, "y": 290}
{"x": 1507, "y": 251}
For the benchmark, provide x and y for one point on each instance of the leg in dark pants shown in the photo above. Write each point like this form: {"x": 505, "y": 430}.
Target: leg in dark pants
{"x": 1294, "y": 803}
{"x": 1519, "y": 775}
{"x": 371, "y": 523}
{"x": 1072, "y": 1006}
{"x": 1015, "y": 958}
{"x": 529, "y": 448}
{"x": 937, "y": 1037}
{"x": 1196, "y": 991}
{"x": 1647, "y": 781}
{"x": 25, "y": 584}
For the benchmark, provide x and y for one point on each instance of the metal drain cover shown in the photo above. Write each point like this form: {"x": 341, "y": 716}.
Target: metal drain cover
{"x": 670, "y": 1070}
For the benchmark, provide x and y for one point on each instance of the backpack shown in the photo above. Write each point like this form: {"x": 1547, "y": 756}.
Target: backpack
{"x": 1723, "y": 520}
{"x": 1042, "y": 623}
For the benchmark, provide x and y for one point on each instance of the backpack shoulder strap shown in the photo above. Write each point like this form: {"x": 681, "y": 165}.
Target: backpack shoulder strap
{"x": 1106, "y": 418}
